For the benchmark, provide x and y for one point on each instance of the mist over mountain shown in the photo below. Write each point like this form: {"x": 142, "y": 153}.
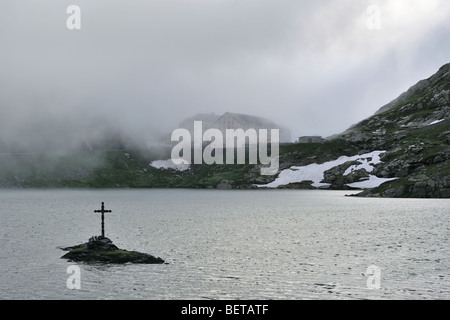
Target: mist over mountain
{"x": 140, "y": 67}
{"x": 88, "y": 107}
{"x": 403, "y": 150}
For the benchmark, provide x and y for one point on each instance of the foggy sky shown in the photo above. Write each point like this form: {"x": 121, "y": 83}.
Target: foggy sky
{"x": 143, "y": 66}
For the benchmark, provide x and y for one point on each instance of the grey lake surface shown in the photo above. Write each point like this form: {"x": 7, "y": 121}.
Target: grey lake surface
{"x": 227, "y": 244}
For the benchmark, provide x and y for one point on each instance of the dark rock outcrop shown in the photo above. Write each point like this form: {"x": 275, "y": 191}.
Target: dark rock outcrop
{"x": 418, "y": 186}
{"x": 298, "y": 185}
{"x": 102, "y": 249}
{"x": 338, "y": 181}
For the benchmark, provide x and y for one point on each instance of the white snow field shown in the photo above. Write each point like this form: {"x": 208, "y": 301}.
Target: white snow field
{"x": 315, "y": 172}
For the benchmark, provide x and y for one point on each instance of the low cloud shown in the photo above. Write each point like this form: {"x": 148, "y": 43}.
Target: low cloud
{"x": 142, "y": 67}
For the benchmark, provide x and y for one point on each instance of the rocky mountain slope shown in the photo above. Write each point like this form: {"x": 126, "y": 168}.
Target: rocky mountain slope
{"x": 410, "y": 138}
{"x": 414, "y": 129}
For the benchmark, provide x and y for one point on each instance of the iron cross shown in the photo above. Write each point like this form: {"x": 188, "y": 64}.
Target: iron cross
{"x": 102, "y": 211}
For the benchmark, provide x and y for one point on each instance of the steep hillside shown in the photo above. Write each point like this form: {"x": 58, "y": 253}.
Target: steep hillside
{"x": 403, "y": 150}
{"x": 414, "y": 129}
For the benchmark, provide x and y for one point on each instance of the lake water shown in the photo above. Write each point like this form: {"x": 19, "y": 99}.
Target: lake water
{"x": 226, "y": 244}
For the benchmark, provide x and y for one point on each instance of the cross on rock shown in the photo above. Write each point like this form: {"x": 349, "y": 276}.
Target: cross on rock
{"x": 102, "y": 211}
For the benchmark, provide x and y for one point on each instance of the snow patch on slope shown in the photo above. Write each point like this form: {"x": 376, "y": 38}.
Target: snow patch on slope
{"x": 168, "y": 164}
{"x": 367, "y": 163}
{"x": 372, "y": 182}
{"x": 437, "y": 121}
{"x": 315, "y": 172}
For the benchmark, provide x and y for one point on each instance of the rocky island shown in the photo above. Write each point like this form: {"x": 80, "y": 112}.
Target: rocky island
{"x": 102, "y": 249}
